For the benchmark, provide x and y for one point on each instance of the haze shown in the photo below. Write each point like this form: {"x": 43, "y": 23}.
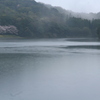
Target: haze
{"x": 76, "y": 5}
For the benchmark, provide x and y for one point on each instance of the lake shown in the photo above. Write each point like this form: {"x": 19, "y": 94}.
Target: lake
{"x": 49, "y": 69}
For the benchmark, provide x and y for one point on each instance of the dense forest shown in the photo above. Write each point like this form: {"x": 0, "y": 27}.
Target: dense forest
{"x": 32, "y": 19}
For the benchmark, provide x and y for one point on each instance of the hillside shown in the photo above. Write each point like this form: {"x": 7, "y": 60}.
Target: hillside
{"x": 89, "y": 16}
{"x": 32, "y": 19}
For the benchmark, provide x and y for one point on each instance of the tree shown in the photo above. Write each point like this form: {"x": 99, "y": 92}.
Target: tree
{"x": 98, "y": 32}
{"x": 8, "y": 30}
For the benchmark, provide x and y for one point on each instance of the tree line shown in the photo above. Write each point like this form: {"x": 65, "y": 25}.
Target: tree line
{"x": 32, "y": 19}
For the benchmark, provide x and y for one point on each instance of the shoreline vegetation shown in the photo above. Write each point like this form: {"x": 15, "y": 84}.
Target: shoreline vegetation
{"x": 9, "y": 37}
{"x": 31, "y": 19}
{"x": 68, "y": 38}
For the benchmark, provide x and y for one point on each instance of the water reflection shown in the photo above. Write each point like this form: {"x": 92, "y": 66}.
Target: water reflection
{"x": 55, "y": 73}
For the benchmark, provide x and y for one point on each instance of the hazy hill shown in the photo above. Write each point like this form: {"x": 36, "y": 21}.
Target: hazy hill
{"x": 89, "y": 16}
{"x": 37, "y": 20}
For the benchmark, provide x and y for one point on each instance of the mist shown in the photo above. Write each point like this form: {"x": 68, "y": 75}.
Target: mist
{"x": 80, "y": 6}
{"x": 85, "y": 14}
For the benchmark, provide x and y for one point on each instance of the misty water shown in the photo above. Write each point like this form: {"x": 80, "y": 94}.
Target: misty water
{"x": 50, "y": 69}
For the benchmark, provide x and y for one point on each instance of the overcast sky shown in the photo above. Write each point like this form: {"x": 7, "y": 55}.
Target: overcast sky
{"x": 76, "y": 5}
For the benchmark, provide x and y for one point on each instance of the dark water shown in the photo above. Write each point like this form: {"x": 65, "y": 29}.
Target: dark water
{"x": 49, "y": 69}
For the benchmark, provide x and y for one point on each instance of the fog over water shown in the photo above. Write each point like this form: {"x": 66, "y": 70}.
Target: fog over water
{"x": 50, "y": 69}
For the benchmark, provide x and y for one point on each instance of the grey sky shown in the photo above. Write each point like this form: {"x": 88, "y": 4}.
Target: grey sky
{"x": 76, "y": 5}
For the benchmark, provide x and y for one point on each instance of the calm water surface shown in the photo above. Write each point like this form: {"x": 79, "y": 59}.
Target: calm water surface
{"x": 49, "y": 69}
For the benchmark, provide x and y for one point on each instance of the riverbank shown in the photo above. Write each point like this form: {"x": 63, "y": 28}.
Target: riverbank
{"x": 9, "y": 36}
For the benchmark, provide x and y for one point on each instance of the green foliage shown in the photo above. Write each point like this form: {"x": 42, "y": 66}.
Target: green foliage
{"x": 98, "y": 32}
{"x": 34, "y": 19}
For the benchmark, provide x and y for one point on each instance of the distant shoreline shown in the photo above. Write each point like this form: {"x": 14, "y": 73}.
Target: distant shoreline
{"x": 9, "y": 36}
